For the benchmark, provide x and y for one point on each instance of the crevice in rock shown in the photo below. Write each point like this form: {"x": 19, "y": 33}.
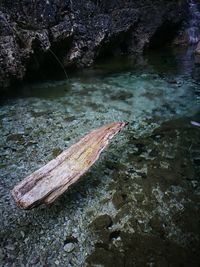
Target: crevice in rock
{"x": 116, "y": 46}
{"x": 163, "y": 36}
{"x": 47, "y": 64}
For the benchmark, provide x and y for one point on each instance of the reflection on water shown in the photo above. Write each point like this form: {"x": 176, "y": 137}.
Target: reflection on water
{"x": 145, "y": 187}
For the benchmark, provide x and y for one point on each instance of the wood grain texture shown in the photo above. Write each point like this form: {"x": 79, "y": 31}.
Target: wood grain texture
{"x": 49, "y": 182}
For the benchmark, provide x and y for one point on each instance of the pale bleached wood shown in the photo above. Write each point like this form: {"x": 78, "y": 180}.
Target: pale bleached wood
{"x": 50, "y": 181}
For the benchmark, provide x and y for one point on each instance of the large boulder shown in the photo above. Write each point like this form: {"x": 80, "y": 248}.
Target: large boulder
{"x": 75, "y": 33}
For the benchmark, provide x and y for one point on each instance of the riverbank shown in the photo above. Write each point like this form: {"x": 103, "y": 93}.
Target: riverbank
{"x": 47, "y": 37}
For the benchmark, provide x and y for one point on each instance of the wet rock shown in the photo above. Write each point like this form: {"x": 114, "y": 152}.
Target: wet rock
{"x": 124, "y": 210}
{"x": 100, "y": 225}
{"x": 114, "y": 165}
{"x": 197, "y": 59}
{"x": 196, "y": 158}
{"x": 106, "y": 258}
{"x": 181, "y": 39}
{"x": 10, "y": 247}
{"x": 172, "y": 81}
{"x": 37, "y": 37}
{"x": 142, "y": 250}
{"x": 18, "y": 137}
{"x": 118, "y": 199}
{"x": 56, "y": 151}
{"x": 120, "y": 176}
{"x": 57, "y": 263}
{"x": 31, "y": 143}
{"x": 157, "y": 226}
{"x": 37, "y": 114}
{"x": 170, "y": 128}
{"x": 102, "y": 222}
{"x": 123, "y": 95}
{"x": 197, "y": 50}
{"x": 70, "y": 118}
{"x": 69, "y": 247}
{"x": 139, "y": 197}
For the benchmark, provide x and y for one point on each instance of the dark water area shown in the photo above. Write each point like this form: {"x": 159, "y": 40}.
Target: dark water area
{"x": 139, "y": 204}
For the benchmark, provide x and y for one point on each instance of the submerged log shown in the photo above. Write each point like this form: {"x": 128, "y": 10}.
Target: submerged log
{"x": 49, "y": 182}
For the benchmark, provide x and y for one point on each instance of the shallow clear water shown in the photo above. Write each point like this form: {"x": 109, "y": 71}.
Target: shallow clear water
{"x": 38, "y": 121}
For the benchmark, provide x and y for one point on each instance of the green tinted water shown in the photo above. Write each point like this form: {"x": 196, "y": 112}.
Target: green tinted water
{"x": 38, "y": 121}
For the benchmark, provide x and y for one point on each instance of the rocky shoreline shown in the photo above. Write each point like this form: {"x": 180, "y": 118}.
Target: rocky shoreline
{"x": 42, "y": 35}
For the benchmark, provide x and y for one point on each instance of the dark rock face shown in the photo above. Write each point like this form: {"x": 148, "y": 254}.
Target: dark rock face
{"x": 77, "y": 32}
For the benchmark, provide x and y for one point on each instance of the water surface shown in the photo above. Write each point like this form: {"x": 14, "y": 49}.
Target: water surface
{"x": 143, "y": 189}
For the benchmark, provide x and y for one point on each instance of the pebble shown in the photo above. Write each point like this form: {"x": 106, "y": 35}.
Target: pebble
{"x": 69, "y": 247}
{"x": 10, "y": 247}
{"x": 22, "y": 234}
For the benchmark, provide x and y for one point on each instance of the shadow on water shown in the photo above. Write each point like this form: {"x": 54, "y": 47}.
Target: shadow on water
{"x": 168, "y": 62}
{"x": 46, "y": 90}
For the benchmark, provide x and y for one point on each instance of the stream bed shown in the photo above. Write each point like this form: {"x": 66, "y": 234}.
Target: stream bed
{"x": 139, "y": 204}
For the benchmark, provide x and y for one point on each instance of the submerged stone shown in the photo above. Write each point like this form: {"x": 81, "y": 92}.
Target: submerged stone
{"x": 69, "y": 247}
{"x": 102, "y": 222}
{"x": 106, "y": 258}
{"x": 37, "y": 114}
{"x": 157, "y": 225}
{"x": 18, "y": 137}
{"x": 139, "y": 197}
{"x": 56, "y": 151}
{"x": 118, "y": 199}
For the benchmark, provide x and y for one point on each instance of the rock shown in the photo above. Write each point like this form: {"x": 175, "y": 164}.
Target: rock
{"x": 122, "y": 95}
{"x": 139, "y": 197}
{"x": 10, "y": 247}
{"x": 56, "y": 151}
{"x": 18, "y": 137}
{"x": 197, "y": 58}
{"x": 36, "y": 114}
{"x": 181, "y": 39}
{"x": 114, "y": 165}
{"x": 74, "y": 33}
{"x": 69, "y": 247}
{"x": 70, "y": 118}
{"x": 157, "y": 226}
{"x": 118, "y": 200}
{"x": 197, "y": 50}
{"x": 107, "y": 258}
{"x": 102, "y": 222}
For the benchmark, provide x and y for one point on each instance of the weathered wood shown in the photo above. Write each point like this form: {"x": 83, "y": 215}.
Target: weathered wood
{"x": 50, "y": 181}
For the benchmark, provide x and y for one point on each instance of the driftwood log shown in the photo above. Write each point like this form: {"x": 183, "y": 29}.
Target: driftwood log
{"x": 49, "y": 182}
